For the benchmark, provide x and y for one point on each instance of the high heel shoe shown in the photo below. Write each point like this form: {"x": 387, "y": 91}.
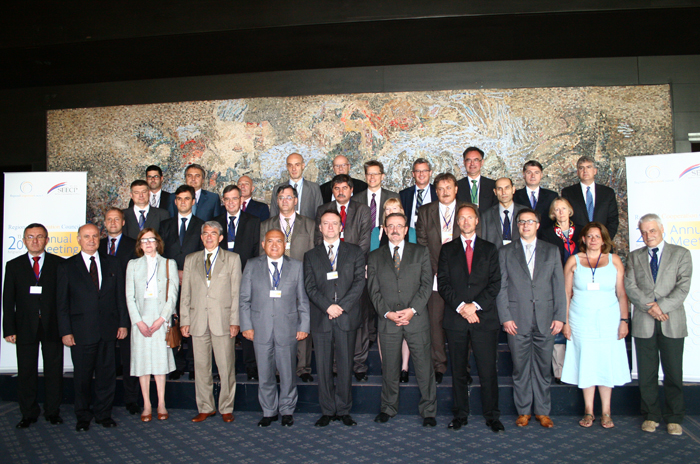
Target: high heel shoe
{"x": 163, "y": 416}
{"x": 146, "y": 417}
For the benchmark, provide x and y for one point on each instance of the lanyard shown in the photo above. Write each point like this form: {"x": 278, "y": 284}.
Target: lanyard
{"x": 279, "y": 270}
{"x": 208, "y": 271}
{"x": 291, "y": 228}
{"x": 532, "y": 255}
{"x": 593, "y": 269}
{"x": 155, "y": 269}
{"x": 446, "y": 227}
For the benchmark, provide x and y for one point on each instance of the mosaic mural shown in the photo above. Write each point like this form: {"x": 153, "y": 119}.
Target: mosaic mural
{"x": 231, "y": 138}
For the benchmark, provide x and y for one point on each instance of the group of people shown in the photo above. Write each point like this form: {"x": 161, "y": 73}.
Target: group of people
{"x": 332, "y": 267}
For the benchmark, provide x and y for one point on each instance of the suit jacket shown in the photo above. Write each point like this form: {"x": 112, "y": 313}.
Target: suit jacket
{"x": 406, "y": 195}
{"x": 520, "y": 294}
{"x": 126, "y": 250}
{"x": 131, "y": 224}
{"x": 302, "y": 239}
{"x": 247, "y": 232}
{"x": 669, "y": 291}
{"x": 21, "y": 309}
{"x": 308, "y": 203}
{"x": 257, "y": 208}
{"x": 170, "y": 233}
{"x": 274, "y": 318}
{"x": 327, "y": 189}
{"x": 429, "y": 230}
{"x": 214, "y": 307}
{"x": 605, "y": 209}
{"x": 486, "y": 196}
{"x": 411, "y": 287}
{"x": 208, "y": 206}
{"x": 548, "y": 235}
{"x": 85, "y": 312}
{"x": 363, "y": 197}
{"x": 358, "y": 224}
{"x": 543, "y": 203}
{"x": 167, "y": 202}
{"x": 345, "y": 291}
{"x": 136, "y": 278}
{"x": 491, "y": 228}
{"x": 456, "y": 285}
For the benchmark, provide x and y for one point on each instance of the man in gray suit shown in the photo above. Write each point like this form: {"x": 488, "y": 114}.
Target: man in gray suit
{"x": 308, "y": 193}
{"x": 142, "y": 214}
{"x": 532, "y": 308}
{"x": 334, "y": 276}
{"x": 498, "y": 222}
{"x": 274, "y": 316}
{"x": 299, "y": 238}
{"x": 657, "y": 281}
{"x": 400, "y": 281}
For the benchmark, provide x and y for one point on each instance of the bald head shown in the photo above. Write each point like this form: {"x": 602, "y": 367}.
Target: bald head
{"x": 504, "y": 191}
{"x": 295, "y": 166}
{"x": 89, "y": 238}
{"x": 341, "y": 165}
{"x": 274, "y": 244}
{"x": 245, "y": 185}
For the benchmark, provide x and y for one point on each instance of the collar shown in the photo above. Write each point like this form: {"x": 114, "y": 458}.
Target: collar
{"x": 41, "y": 257}
{"x": 347, "y": 205}
{"x": 524, "y": 243}
{"x": 300, "y": 182}
{"x": 188, "y": 217}
{"x": 660, "y": 246}
{"x": 291, "y": 218}
{"x": 400, "y": 245}
{"x": 477, "y": 179}
{"x": 464, "y": 240}
{"x": 137, "y": 210}
{"x": 335, "y": 244}
{"x": 235, "y": 217}
{"x": 278, "y": 261}
{"x": 86, "y": 257}
{"x": 117, "y": 238}
{"x": 584, "y": 186}
{"x": 529, "y": 192}
{"x": 510, "y": 209}
{"x": 446, "y": 207}
{"x": 155, "y": 193}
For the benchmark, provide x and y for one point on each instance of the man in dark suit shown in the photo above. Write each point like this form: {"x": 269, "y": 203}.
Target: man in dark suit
{"x": 181, "y": 236}
{"x": 375, "y": 196}
{"x": 91, "y": 316}
{"x": 207, "y": 205}
{"x": 475, "y": 188}
{"x": 299, "y": 238}
{"x": 498, "y": 222}
{"x": 422, "y": 193}
{"x": 142, "y": 214}
{"x": 241, "y": 232}
{"x": 435, "y": 226}
{"x": 30, "y": 319}
{"x": 334, "y": 278}
{"x": 534, "y": 196}
{"x": 469, "y": 279}
{"x": 400, "y": 282}
{"x": 308, "y": 192}
{"x": 158, "y": 198}
{"x": 250, "y": 206}
{"x": 123, "y": 247}
{"x": 532, "y": 308}
{"x": 591, "y": 201}
{"x": 341, "y": 165}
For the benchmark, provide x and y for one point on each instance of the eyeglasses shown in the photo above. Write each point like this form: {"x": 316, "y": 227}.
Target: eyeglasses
{"x": 31, "y": 238}
{"x": 422, "y": 171}
{"x": 153, "y": 177}
{"x": 148, "y": 240}
{"x": 230, "y": 200}
{"x": 396, "y": 226}
{"x": 287, "y": 198}
{"x": 529, "y": 222}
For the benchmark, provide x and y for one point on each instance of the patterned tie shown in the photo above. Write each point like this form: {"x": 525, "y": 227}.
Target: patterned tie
{"x": 287, "y": 238}
{"x": 183, "y": 230}
{"x": 397, "y": 259}
{"x": 530, "y": 261}
{"x": 419, "y": 200}
{"x": 373, "y": 210}
{"x": 654, "y": 263}
{"x": 475, "y": 193}
{"x": 113, "y": 246}
{"x": 207, "y": 268}
{"x": 154, "y": 200}
{"x": 343, "y": 215}
{"x": 589, "y": 204}
{"x": 37, "y": 271}
{"x": 275, "y": 277}
{"x": 142, "y": 219}
{"x": 331, "y": 257}
{"x": 299, "y": 197}
{"x": 506, "y": 226}
{"x": 93, "y": 273}
{"x": 470, "y": 254}
{"x": 231, "y": 230}
{"x": 533, "y": 200}
{"x": 245, "y": 205}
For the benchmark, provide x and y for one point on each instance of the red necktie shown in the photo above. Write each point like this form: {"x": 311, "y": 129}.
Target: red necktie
{"x": 470, "y": 254}
{"x": 245, "y": 203}
{"x": 37, "y": 271}
{"x": 112, "y": 251}
{"x": 343, "y": 215}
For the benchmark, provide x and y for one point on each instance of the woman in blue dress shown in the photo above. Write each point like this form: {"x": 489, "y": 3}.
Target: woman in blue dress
{"x": 596, "y": 322}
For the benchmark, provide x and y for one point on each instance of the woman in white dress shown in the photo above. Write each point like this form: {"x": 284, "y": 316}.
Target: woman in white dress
{"x": 147, "y": 279}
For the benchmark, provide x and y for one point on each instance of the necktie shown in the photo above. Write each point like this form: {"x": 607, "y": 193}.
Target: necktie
{"x": 276, "y": 276}
{"x": 183, "y": 230}
{"x": 331, "y": 256}
{"x": 208, "y": 266}
{"x": 142, "y": 219}
{"x": 373, "y": 210}
{"x": 530, "y": 261}
{"x": 654, "y": 263}
{"x": 506, "y": 226}
{"x": 589, "y": 203}
{"x": 113, "y": 246}
{"x": 194, "y": 207}
{"x": 419, "y": 199}
{"x": 93, "y": 273}
{"x": 475, "y": 193}
{"x": 397, "y": 259}
{"x": 154, "y": 201}
{"x": 299, "y": 196}
{"x": 343, "y": 215}
{"x": 287, "y": 237}
{"x": 470, "y": 254}
{"x": 533, "y": 200}
{"x": 231, "y": 230}
{"x": 245, "y": 204}
{"x": 37, "y": 272}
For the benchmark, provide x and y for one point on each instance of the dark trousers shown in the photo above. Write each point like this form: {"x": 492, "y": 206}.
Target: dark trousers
{"x": 96, "y": 359}
{"x": 28, "y": 375}
{"x": 132, "y": 388}
{"x": 334, "y": 394}
{"x": 485, "y": 347}
{"x": 670, "y": 351}
{"x": 248, "y": 354}
{"x": 362, "y": 341}
{"x": 436, "y": 313}
{"x": 184, "y": 356}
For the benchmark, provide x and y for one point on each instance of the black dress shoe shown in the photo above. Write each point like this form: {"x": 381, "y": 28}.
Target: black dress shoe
{"x": 382, "y": 417}
{"x": 495, "y": 425}
{"x": 174, "y": 375}
{"x": 252, "y": 374}
{"x": 348, "y": 420}
{"x": 191, "y": 376}
{"x": 404, "y": 377}
{"x": 287, "y": 420}
{"x": 109, "y": 422}
{"x": 25, "y": 423}
{"x": 557, "y": 381}
{"x": 266, "y": 421}
{"x": 429, "y": 422}
{"x": 324, "y": 421}
{"x": 457, "y": 423}
{"x": 54, "y": 420}
{"x": 305, "y": 377}
{"x": 438, "y": 377}
{"x": 133, "y": 408}
{"x": 82, "y": 426}
{"x": 277, "y": 378}
{"x": 361, "y": 376}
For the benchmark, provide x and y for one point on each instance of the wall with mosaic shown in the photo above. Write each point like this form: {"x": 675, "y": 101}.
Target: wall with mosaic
{"x": 254, "y": 136}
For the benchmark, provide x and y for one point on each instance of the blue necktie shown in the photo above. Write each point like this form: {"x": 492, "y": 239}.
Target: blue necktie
{"x": 231, "y": 230}
{"x": 183, "y": 230}
{"x": 142, "y": 219}
{"x": 506, "y": 226}
{"x": 533, "y": 200}
{"x": 589, "y": 204}
{"x": 654, "y": 263}
{"x": 275, "y": 277}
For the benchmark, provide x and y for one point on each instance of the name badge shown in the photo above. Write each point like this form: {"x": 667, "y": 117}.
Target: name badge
{"x": 506, "y": 242}
{"x": 435, "y": 287}
{"x": 275, "y": 293}
{"x": 149, "y": 293}
{"x": 446, "y": 236}
{"x": 231, "y": 245}
{"x": 593, "y": 286}
{"x": 35, "y": 290}
{"x": 342, "y": 234}
{"x": 287, "y": 245}
{"x": 332, "y": 275}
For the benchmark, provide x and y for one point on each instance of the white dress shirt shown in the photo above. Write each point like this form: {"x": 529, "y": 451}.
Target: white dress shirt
{"x": 464, "y": 247}
{"x": 378, "y": 202}
{"x": 660, "y": 246}
{"x": 41, "y": 261}
{"x": 299, "y": 188}
{"x": 584, "y": 187}
{"x": 156, "y": 195}
{"x": 271, "y": 268}
{"x": 137, "y": 212}
{"x": 530, "y": 260}
{"x": 86, "y": 259}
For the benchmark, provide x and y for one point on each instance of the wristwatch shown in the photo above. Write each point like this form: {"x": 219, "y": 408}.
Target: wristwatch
{"x": 626, "y": 320}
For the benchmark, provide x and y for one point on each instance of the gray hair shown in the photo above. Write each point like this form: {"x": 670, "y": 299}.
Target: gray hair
{"x": 213, "y": 225}
{"x": 651, "y": 217}
{"x": 585, "y": 159}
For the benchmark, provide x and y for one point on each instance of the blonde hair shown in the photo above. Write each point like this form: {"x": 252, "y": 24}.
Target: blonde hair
{"x": 393, "y": 201}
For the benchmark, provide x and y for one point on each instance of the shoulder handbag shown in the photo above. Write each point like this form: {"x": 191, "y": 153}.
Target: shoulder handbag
{"x": 173, "y": 337}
